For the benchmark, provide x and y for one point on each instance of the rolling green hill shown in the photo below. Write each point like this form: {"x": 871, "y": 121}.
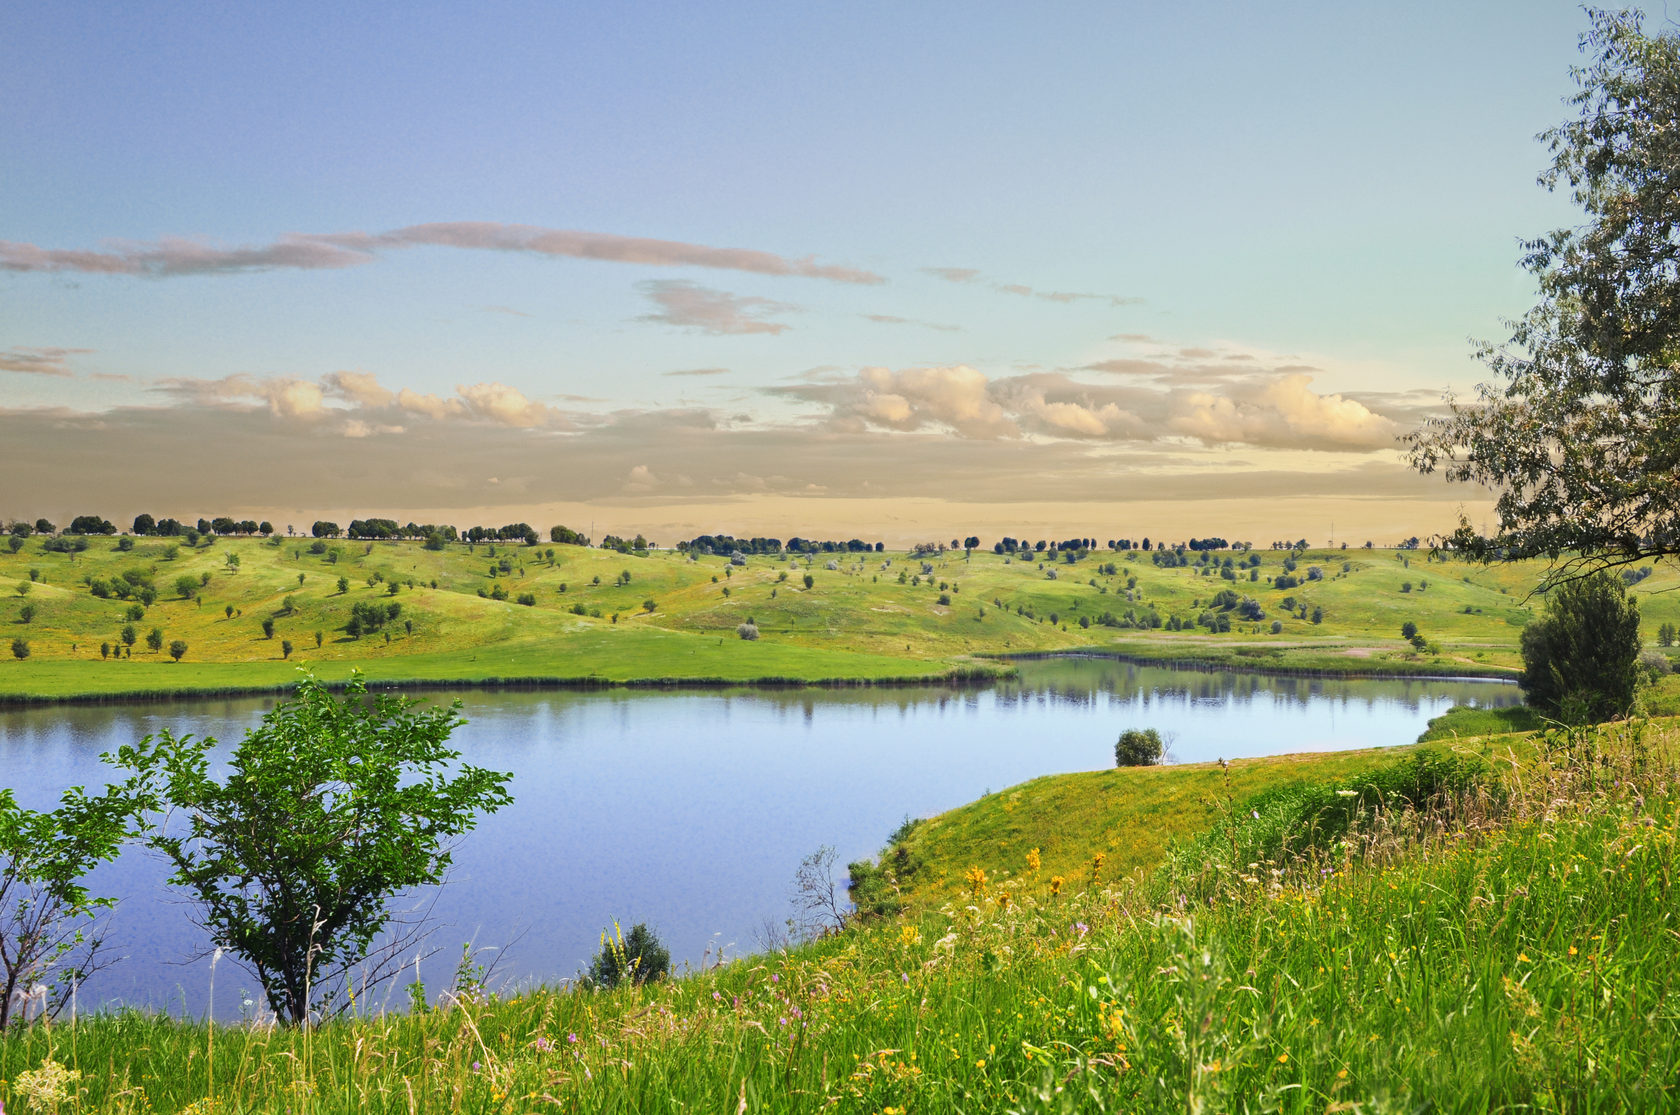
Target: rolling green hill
{"x": 581, "y": 615}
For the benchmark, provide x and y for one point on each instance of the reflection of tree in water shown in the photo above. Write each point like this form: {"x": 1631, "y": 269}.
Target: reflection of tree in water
{"x": 1079, "y": 680}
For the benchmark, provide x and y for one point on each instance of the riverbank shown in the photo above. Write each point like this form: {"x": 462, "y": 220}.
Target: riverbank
{"x": 1500, "y": 946}
{"x": 240, "y": 614}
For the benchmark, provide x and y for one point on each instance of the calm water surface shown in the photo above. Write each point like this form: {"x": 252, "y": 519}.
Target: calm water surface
{"x": 692, "y": 810}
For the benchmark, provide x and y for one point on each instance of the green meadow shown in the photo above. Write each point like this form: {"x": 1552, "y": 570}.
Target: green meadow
{"x": 576, "y": 615}
{"x": 1486, "y": 927}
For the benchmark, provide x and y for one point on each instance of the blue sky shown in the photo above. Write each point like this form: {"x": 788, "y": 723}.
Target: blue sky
{"x": 1097, "y": 243}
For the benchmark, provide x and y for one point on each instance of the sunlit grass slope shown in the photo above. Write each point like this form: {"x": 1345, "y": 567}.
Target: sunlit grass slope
{"x": 1510, "y": 948}
{"x": 505, "y": 612}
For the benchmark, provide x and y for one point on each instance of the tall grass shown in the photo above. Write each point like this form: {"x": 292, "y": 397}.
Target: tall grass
{"x": 1471, "y": 939}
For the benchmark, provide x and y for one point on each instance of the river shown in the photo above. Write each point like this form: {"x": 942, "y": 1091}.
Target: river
{"x": 691, "y": 810}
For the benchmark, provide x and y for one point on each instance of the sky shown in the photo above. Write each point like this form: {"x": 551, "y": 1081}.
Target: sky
{"x": 893, "y": 271}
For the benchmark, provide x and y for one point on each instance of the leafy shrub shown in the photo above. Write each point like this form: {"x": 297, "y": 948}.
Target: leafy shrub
{"x": 1581, "y": 659}
{"x": 747, "y": 631}
{"x": 1138, "y": 748}
{"x": 636, "y": 956}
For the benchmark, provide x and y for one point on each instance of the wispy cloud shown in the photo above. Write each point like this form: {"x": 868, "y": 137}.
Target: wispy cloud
{"x": 1021, "y": 290}
{"x": 953, "y": 274}
{"x": 692, "y": 306}
{"x": 177, "y": 256}
{"x": 356, "y": 404}
{"x": 893, "y": 319}
{"x": 698, "y": 372}
{"x": 508, "y": 310}
{"x": 39, "y": 361}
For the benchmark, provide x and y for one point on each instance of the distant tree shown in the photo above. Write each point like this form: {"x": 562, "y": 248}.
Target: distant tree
{"x": 810, "y": 581}
{"x": 649, "y": 605}
{"x": 265, "y": 528}
{"x": 747, "y": 631}
{"x": 285, "y": 648}
{"x": 128, "y": 635}
{"x": 324, "y": 529}
{"x": 187, "y": 586}
{"x": 1666, "y": 635}
{"x": 177, "y": 648}
{"x": 1408, "y": 629}
{"x": 20, "y": 648}
{"x": 144, "y": 524}
{"x": 14, "y": 542}
{"x": 268, "y": 628}
{"x": 26, "y": 614}
{"x": 154, "y": 639}
{"x": 88, "y": 524}
{"x": 1580, "y": 660}
{"x": 319, "y": 637}
{"x": 1138, "y": 748}
{"x": 636, "y": 956}
{"x": 44, "y": 526}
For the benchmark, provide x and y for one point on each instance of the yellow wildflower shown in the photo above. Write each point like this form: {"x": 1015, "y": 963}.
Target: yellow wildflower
{"x": 1033, "y": 861}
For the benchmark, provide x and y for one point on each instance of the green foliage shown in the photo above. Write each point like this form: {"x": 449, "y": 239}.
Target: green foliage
{"x": 636, "y": 957}
{"x": 177, "y": 648}
{"x": 1138, "y": 747}
{"x": 47, "y": 936}
{"x": 368, "y": 616}
{"x": 1576, "y": 433}
{"x": 1465, "y": 721}
{"x": 1580, "y": 660}
{"x": 1285, "y": 824}
{"x": 331, "y": 806}
{"x": 20, "y": 648}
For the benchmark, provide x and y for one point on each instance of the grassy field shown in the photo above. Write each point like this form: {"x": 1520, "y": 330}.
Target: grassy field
{"x": 875, "y": 617}
{"x": 1507, "y": 946}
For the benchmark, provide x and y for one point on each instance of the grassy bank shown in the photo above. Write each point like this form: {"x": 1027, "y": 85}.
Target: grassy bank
{"x": 567, "y": 614}
{"x": 1507, "y": 947}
